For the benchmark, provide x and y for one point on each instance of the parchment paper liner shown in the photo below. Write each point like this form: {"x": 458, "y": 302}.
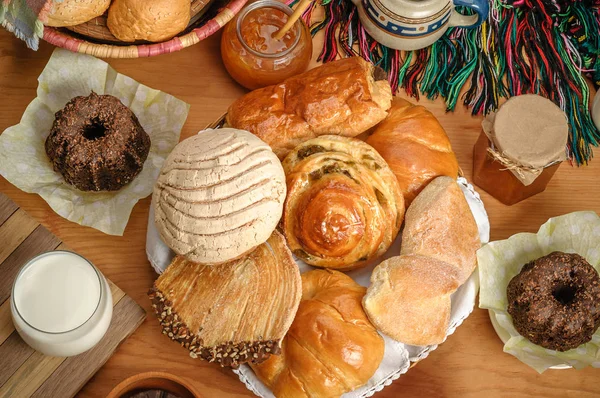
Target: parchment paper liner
{"x": 23, "y": 160}
{"x": 500, "y": 261}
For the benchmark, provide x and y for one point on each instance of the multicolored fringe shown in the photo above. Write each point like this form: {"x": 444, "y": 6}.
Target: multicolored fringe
{"x": 526, "y": 46}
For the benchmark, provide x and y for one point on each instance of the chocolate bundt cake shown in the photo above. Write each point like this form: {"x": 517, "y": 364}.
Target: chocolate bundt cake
{"x": 97, "y": 143}
{"x": 555, "y": 301}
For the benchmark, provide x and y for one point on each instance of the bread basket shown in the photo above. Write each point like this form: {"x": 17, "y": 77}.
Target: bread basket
{"x": 91, "y": 38}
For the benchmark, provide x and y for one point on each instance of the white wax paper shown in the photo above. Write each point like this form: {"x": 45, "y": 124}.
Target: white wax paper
{"x": 500, "y": 261}
{"x": 23, "y": 159}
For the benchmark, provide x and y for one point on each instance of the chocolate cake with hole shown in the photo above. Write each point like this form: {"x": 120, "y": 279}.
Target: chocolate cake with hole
{"x": 97, "y": 143}
{"x": 555, "y": 301}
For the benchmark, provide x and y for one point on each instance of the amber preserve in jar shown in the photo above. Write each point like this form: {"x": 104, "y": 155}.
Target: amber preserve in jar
{"x": 253, "y": 57}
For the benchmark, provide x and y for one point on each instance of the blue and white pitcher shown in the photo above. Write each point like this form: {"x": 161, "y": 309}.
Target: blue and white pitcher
{"x": 414, "y": 24}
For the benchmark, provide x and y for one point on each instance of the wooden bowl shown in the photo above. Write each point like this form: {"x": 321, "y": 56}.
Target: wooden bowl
{"x": 94, "y": 38}
{"x": 154, "y": 381}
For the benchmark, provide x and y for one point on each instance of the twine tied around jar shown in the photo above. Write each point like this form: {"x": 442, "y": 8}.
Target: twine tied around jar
{"x": 520, "y": 170}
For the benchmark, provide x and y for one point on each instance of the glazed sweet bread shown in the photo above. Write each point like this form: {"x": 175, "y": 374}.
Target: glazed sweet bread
{"x": 343, "y": 206}
{"x": 344, "y": 97}
{"x": 415, "y": 146}
{"x": 331, "y": 347}
{"x": 409, "y": 297}
{"x": 230, "y": 313}
{"x": 219, "y": 195}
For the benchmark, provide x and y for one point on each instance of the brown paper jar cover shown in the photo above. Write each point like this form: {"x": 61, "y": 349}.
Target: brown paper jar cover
{"x": 520, "y": 148}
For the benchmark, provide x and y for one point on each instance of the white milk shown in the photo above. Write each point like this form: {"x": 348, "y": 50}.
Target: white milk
{"x": 58, "y": 293}
{"x": 61, "y": 305}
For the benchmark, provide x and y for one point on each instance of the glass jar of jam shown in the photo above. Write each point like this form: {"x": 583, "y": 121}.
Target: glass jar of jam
{"x": 520, "y": 148}
{"x": 251, "y": 53}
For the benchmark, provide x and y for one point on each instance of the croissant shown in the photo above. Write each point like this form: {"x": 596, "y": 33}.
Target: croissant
{"x": 234, "y": 312}
{"x": 343, "y": 207}
{"x": 331, "y": 347}
{"x": 409, "y": 296}
{"x": 344, "y": 97}
{"x": 416, "y": 147}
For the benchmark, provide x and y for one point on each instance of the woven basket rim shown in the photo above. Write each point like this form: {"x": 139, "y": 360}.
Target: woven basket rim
{"x": 65, "y": 40}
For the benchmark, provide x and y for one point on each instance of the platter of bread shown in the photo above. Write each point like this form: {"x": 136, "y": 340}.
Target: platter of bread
{"x": 319, "y": 239}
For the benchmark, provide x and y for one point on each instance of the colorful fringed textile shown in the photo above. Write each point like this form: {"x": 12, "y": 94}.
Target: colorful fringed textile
{"x": 526, "y": 46}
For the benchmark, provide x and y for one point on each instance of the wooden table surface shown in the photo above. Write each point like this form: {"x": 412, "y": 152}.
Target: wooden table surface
{"x": 469, "y": 363}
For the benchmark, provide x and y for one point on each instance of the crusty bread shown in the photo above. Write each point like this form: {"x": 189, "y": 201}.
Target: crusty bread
{"x": 409, "y": 296}
{"x": 440, "y": 225}
{"x": 331, "y": 347}
{"x": 74, "y": 12}
{"x": 343, "y": 207}
{"x": 415, "y": 145}
{"x": 340, "y": 98}
{"x": 156, "y": 20}
{"x": 230, "y": 313}
{"x": 219, "y": 195}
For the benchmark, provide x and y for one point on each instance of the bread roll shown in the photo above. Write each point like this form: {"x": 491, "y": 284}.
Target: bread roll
{"x": 415, "y": 145}
{"x": 343, "y": 206}
{"x": 155, "y": 20}
{"x": 331, "y": 347}
{"x": 219, "y": 195}
{"x": 230, "y": 313}
{"x": 340, "y": 97}
{"x": 74, "y": 12}
{"x": 409, "y": 296}
{"x": 440, "y": 225}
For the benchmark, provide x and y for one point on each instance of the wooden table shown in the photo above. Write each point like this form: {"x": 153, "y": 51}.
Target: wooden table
{"x": 469, "y": 363}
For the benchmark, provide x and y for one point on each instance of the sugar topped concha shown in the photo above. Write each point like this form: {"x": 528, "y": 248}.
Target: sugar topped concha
{"x": 219, "y": 195}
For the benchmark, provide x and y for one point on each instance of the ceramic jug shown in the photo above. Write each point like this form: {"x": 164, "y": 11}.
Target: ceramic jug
{"x": 414, "y": 24}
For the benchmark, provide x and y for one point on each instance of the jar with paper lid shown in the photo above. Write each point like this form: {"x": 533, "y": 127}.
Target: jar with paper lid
{"x": 520, "y": 148}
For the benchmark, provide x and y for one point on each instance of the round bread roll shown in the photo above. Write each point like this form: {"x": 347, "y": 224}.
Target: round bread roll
{"x": 219, "y": 195}
{"x": 415, "y": 145}
{"x": 344, "y": 206}
{"x": 331, "y": 347}
{"x": 155, "y": 20}
{"x": 74, "y": 12}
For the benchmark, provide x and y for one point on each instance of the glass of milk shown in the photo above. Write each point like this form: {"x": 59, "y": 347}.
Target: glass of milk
{"x": 61, "y": 304}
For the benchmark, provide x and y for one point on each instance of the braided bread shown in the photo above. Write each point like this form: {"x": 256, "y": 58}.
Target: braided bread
{"x": 409, "y": 296}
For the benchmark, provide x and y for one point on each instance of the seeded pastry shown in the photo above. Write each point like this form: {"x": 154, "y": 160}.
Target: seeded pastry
{"x": 230, "y": 313}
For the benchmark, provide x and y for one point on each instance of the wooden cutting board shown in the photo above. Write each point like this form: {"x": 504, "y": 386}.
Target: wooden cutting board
{"x": 25, "y": 372}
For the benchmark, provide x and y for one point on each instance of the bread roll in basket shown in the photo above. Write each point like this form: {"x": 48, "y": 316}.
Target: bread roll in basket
{"x": 94, "y": 38}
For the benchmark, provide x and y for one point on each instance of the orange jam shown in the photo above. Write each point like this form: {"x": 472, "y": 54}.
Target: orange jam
{"x": 251, "y": 53}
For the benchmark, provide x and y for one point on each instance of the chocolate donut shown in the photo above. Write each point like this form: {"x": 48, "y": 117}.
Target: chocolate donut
{"x": 97, "y": 143}
{"x": 555, "y": 301}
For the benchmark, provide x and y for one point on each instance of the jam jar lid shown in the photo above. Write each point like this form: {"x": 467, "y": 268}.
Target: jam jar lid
{"x": 531, "y": 131}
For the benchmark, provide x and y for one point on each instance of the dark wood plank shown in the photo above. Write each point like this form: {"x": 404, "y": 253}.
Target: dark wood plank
{"x": 7, "y": 208}
{"x": 74, "y": 372}
{"x": 13, "y": 353}
{"x": 40, "y": 241}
